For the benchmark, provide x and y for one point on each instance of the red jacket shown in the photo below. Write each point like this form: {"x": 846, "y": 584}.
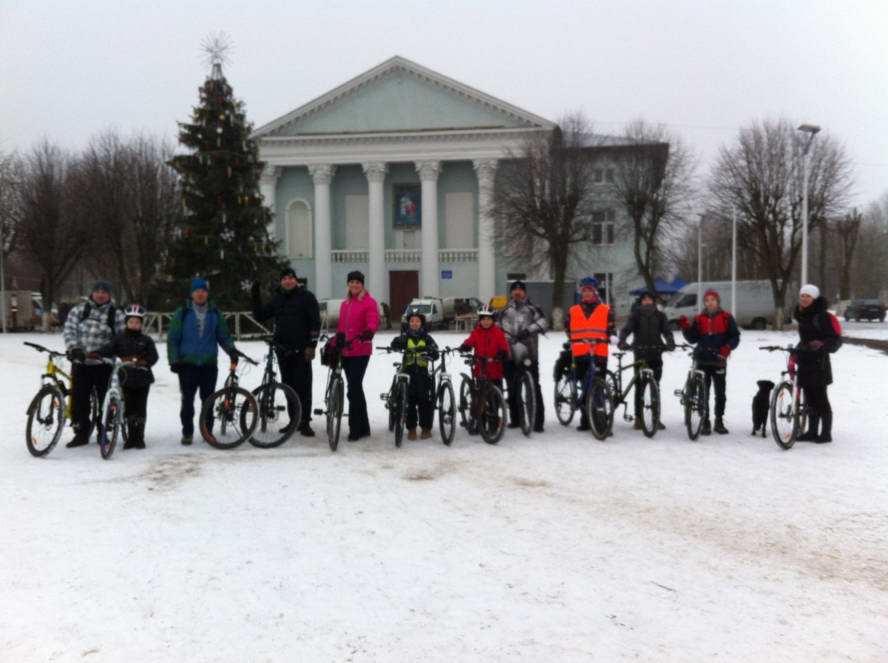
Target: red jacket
{"x": 487, "y": 343}
{"x": 358, "y": 315}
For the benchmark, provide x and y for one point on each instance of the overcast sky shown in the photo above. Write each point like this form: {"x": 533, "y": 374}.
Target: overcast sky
{"x": 69, "y": 69}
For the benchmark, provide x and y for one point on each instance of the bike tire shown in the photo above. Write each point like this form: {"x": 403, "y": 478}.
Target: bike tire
{"x": 222, "y": 422}
{"x": 784, "y": 422}
{"x": 565, "y": 399}
{"x": 696, "y": 403}
{"x": 467, "y": 421}
{"x": 391, "y": 412}
{"x": 400, "y": 411}
{"x": 599, "y": 406}
{"x": 46, "y": 412}
{"x": 272, "y": 398}
{"x": 527, "y": 398}
{"x": 493, "y": 416}
{"x": 334, "y": 413}
{"x": 112, "y": 422}
{"x": 446, "y": 412}
{"x": 650, "y": 405}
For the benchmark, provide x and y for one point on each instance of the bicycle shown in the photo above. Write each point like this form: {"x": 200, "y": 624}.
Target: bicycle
{"x": 694, "y": 396}
{"x": 52, "y": 406}
{"x": 113, "y": 410}
{"x": 232, "y": 408}
{"x": 396, "y": 398}
{"x": 273, "y": 399}
{"x": 334, "y": 392}
{"x": 482, "y": 407}
{"x": 522, "y": 383}
{"x": 788, "y": 409}
{"x": 445, "y": 399}
{"x": 645, "y": 384}
{"x": 598, "y": 394}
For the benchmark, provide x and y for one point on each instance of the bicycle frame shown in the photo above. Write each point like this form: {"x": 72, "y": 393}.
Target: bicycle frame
{"x": 694, "y": 371}
{"x": 621, "y": 396}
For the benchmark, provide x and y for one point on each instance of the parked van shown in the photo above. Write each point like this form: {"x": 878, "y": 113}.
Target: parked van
{"x": 431, "y": 307}
{"x": 755, "y": 302}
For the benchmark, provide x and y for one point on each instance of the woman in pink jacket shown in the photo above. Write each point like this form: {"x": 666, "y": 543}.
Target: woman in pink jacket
{"x": 358, "y": 322}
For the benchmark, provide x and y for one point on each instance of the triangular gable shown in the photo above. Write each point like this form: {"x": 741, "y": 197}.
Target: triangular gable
{"x": 400, "y": 95}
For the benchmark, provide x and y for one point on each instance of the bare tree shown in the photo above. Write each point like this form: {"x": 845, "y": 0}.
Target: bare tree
{"x": 11, "y": 175}
{"x": 653, "y": 183}
{"x": 544, "y": 198}
{"x": 870, "y": 268}
{"x": 761, "y": 175}
{"x": 846, "y": 230}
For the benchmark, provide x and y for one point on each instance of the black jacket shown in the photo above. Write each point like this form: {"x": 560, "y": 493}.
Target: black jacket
{"x": 816, "y": 323}
{"x": 297, "y": 318}
{"x": 130, "y": 345}
{"x": 650, "y": 332}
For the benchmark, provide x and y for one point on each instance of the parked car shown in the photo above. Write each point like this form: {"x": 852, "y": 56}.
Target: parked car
{"x": 865, "y": 309}
{"x": 755, "y": 303}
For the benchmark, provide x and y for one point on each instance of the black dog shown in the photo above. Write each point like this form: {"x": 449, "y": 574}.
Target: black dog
{"x": 761, "y": 403}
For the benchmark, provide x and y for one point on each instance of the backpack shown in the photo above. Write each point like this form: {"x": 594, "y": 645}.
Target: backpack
{"x": 112, "y": 315}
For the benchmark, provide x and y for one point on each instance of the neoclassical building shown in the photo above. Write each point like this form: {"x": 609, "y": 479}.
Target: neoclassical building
{"x": 391, "y": 173}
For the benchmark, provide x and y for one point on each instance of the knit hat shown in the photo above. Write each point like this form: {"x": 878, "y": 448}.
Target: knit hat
{"x": 355, "y": 276}
{"x": 589, "y": 282}
{"x": 288, "y": 271}
{"x": 712, "y": 293}
{"x": 810, "y": 289}
{"x": 199, "y": 284}
{"x": 646, "y": 294}
{"x": 103, "y": 285}
{"x": 518, "y": 285}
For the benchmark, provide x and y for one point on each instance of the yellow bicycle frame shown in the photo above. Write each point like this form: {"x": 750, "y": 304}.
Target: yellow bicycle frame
{"x": 55, "y": 372}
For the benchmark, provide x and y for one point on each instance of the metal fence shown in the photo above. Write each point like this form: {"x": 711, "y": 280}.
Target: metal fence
{"x": 242, "y": 325}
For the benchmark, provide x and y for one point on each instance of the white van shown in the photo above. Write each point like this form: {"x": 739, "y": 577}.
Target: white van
{"x": 755, "y": 302}
{"x": 431, "y": 307}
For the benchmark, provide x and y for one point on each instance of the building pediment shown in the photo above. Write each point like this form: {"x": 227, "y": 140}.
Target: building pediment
{"x": 400, "y": 96}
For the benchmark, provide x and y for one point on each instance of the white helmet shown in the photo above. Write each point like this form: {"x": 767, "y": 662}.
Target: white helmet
{"x": 135, "y": 311}
{"x": 485, "y": 311}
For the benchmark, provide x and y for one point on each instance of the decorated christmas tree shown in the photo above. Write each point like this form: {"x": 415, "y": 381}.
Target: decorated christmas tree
{"x": 224, "y": 235}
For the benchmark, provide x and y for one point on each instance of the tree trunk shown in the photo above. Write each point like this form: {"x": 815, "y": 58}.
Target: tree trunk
{"x": 559, "y": 269}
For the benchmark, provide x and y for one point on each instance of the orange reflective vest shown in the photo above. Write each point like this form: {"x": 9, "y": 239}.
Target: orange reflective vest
{"x": 595, "y": 326}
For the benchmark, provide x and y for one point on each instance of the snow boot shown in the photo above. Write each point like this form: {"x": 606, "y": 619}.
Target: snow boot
{"x": 411, "y": 434}
{"x": 637, "y": 424}
{"x": 306, "y": 431}
{"x": 706, "y": 428}
{"x": 132, "y": 433}
{"x": 810, "y": 435}
{"x": 584, "y": 421}
{"x": 80, "y": 440}
{"x": 186, "y": 440}
{"x": 826, "y": 430}
{"x": 426, "y": 434}
{"x": 660, "y": 426}
{"x": 720, "y": 426}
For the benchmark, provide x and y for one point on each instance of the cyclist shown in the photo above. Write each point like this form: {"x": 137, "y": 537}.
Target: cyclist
{"x": 418, "y": 347}
{"x": 134, "y": 347}
{"x": 716, "y": 335}
{"x": 590, "y": 319}
{"x": 88, "y": 327}
{"x": 651, "y": 336}
{"x": 488, "y": 342}
{"x": 523, "y": 323}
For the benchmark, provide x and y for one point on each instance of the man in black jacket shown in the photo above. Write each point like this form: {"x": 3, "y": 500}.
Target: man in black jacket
{"x": 651, "y": 336}
{"x": 297, "y": 325}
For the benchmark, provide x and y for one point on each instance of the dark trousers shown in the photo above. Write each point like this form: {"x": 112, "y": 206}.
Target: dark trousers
{"x": 420, "y": 400}
{"x": 818, "y": 400}
{"x": 191, "y": 380}
{"x": 716, "y": 376}
{"x": 581, "y": 367}
{"x": 84, "y": 378}
{"x": 136, "y": 402}
{"x": 355, "y": 368}
{"x": 296, "y": 373}
{"x": 514, "y": 401}
{"x": 656, "y": 365}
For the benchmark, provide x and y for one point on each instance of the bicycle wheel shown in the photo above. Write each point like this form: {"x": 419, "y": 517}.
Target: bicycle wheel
{"x": 696, "y": 400}
{"x": 399, "y": 408}
{"x": 393, "y": 390}
{"x": 228, "y": 417}
{"x": 334, "y": 413}
{"x": 446, "y": 412}
{"x": 46, "y": 420}
{"x": 784, "y": 417}
{"x": 467, "y": 420}
{"x": 109, "y": 429}
{"x": 600, "y": 408}
{"x": 527, "y": 403}
{"x": 565, "y": 399}
{"x": 611, "y": 380}
{"x": 493, "y": 415}
{"x": 276, "y": 424}
{"x": 650, "y": 405}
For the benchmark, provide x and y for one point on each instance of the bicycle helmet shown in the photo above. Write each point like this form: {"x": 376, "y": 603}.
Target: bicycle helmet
{"x": 415, "y": 313}
{"x": 134, "y": 311}
{"x": 485, "y": 311}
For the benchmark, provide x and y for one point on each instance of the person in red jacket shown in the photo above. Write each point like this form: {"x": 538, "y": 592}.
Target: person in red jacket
{"x": 489, "y": 343}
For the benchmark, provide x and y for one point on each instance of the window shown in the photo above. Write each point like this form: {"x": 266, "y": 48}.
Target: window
{"x": 609, "y": 175}
{"x": 687, "y": 300}
{"x": 300, "y": 236}
{"x": 598, "y": 175}
{"x": 603, "y": 228}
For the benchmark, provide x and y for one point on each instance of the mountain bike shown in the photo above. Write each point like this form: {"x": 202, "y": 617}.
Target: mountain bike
{"x": 113, "y": 410}
{"x": 595, "y": 393}
{"x": 788, "y": 409}
{"x": 280, "y": 409}
{"x": 482, "y": 408}
{"x": 694, "y": 396}
{"x": 445, "y": 400}
{"x": 395, "y": 398}
{"x": 334, "y": 392}
{"x": 52, "y": 406}
{"x": 522, "y": 383}
{"x": 229, "y": 416}
{"x": 646, "y": 389}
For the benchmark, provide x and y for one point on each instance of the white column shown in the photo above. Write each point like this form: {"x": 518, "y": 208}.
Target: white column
{"x": 377, "y": 283}
{"x": 430, "y": 277}
{"x": 322, "y": 175}
{"x": 486, "y": 170}
{"x": 267, "y": 187}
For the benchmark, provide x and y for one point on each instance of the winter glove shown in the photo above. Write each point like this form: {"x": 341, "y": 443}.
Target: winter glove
{"x": 433, "y": 355}
{"x": 396, "y": 344}
{"x": 309, "y": 354}
{"x": 175, "y": 368}
{"x": 724, "y": 351}
{"x": 465, "y": 347}
{"x": 670, "y": 347}
{"x": 684, "y": 323}
{"x": 815, "y": 345}
{"x": 366, "y": 335}
{"x": 622, "y": 345}
{"x": 523, "y": 335}
{"x": 502, "y": 355}
{"x": 93, "y": 355}
{"x": 339, "y": 340}
{"x": 76, "y": 354}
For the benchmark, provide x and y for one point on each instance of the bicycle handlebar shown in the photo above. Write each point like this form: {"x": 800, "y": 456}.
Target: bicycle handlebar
{"x": 240, "y": 355}
{"x": 40, "y": 348}
{"x": 777, "y": 348}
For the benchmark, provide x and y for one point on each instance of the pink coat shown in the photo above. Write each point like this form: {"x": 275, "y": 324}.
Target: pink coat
{"x": 358, "y": 315}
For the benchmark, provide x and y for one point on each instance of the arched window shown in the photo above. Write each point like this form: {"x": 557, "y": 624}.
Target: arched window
{"x": 300, "y": 235}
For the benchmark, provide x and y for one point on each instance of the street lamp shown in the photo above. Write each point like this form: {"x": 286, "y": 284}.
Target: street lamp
{"x": 812, "y": 130}
{"x": 700, "y": 246}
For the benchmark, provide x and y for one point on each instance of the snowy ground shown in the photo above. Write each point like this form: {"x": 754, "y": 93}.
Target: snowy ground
{"x": 557, "y": 548}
